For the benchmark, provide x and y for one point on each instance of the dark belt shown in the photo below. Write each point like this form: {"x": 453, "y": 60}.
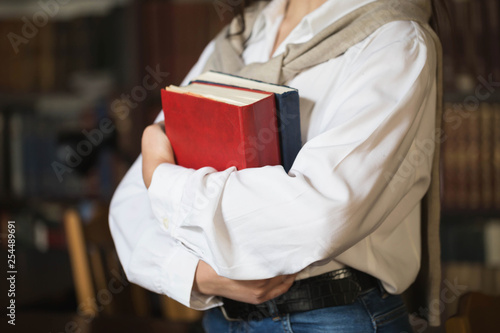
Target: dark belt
{"x": 339, "y": 287}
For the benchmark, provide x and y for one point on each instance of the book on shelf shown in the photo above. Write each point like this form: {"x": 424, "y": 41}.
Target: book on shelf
{"x": 470, "y": 43}
{"x": 486, "y": 155}
{"x": 492, "y": 243}
{"x": 471, "y": 240}
{"x": 496, "y": 156}
{"x": 471, "y": 158}
{"x": 199, "y": 23}
{"x": 221, "y": 120}
{"x": 462, "y": 242}
{"x": 3, "y": 155}
{"x": 492, "y": 18}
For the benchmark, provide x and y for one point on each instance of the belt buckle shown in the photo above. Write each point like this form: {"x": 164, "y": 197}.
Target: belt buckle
{"x": 342, "y": 273}
{"x": 228, "y": 318}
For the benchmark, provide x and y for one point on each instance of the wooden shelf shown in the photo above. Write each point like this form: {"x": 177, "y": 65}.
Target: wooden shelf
{"x": 69, "y": 10}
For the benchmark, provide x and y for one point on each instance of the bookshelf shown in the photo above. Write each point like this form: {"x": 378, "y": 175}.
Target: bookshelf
{"x": 73, "y": 105}
{"x": 53, "y": 93}
{"x": 161, "y": 23}
{"x": 56, "y": 83}
{"x": 471, "y": 120}
{"x": 470, "y": 158}
{"x": 60, "y": 10}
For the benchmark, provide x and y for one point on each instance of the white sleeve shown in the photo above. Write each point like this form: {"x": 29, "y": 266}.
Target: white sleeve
{"x": 261, "y": 222}
{"x": 150, "y": 257}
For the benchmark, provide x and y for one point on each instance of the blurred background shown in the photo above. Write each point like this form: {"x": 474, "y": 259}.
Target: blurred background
{"x": 74, "y": 102}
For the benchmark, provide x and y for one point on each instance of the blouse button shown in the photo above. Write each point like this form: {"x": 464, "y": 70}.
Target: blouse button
{"x": 165, "y": 222}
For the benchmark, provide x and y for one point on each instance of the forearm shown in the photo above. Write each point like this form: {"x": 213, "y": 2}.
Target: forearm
{"x": 150, "y": 257}
{"x": 208, "y": 282}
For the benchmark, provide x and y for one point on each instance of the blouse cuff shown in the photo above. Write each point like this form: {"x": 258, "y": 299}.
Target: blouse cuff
{"x": 176, "y": 281}
{"x": 165, "y": 193}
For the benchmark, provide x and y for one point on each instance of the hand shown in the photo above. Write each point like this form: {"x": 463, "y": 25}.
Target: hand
{"x": 207, "y": 282}
{"x": 156, "y": 149}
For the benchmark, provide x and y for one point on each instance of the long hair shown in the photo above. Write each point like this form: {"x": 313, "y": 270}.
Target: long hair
{"x": 440, "y": 13}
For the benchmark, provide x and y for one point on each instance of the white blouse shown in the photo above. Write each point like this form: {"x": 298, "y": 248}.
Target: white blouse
{"x": 352, "y": 197}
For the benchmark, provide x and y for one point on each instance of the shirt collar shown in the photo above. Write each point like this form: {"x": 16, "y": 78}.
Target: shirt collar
{"x": 329, "y": 12}
{"x": 311, "y": 24}
{"x": 268, "y": 18}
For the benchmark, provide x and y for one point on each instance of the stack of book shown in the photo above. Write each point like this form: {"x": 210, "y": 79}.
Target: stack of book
{"x": 221, "y": 120}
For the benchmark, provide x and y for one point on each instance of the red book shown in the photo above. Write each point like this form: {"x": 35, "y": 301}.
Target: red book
{"x": 221, "y": 127}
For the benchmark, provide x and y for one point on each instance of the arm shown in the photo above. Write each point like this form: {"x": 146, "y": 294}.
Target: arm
{"x": 261, "y": 222}
{"x": 149, "y": 256}
{"x": 208, "y": 282}
{"x": 153, "y": 259}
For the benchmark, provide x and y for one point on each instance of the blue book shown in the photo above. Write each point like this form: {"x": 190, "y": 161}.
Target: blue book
{"x": 287, "y": 104}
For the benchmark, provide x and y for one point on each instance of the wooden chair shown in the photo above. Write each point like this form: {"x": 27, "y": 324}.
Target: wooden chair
{"x": 477, "y": 313}
{"x": 101, "y": 286}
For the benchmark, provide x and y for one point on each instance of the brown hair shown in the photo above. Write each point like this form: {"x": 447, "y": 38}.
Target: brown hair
{"x": 440, "y": 15}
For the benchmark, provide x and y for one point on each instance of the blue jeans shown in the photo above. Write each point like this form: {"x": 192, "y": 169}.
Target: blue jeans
{"x": 373, "y": 311}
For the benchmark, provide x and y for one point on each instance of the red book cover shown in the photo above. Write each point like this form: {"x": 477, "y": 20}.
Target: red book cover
{"x": 206, "y": 132}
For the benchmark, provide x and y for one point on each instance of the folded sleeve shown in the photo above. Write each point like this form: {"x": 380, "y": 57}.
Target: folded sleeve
{"x": 150, "y": 257}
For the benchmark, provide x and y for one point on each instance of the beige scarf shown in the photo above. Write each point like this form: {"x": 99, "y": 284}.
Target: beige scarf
{"x": 328, "y": 44}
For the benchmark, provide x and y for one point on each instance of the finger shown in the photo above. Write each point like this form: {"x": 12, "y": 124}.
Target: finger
{"x": 290, "y": 279}
{"x": 161, "y": 124}
{"x": 282, "y": 281}
{"x": 275, "y": 282}
{"x": 281, "y": 288}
